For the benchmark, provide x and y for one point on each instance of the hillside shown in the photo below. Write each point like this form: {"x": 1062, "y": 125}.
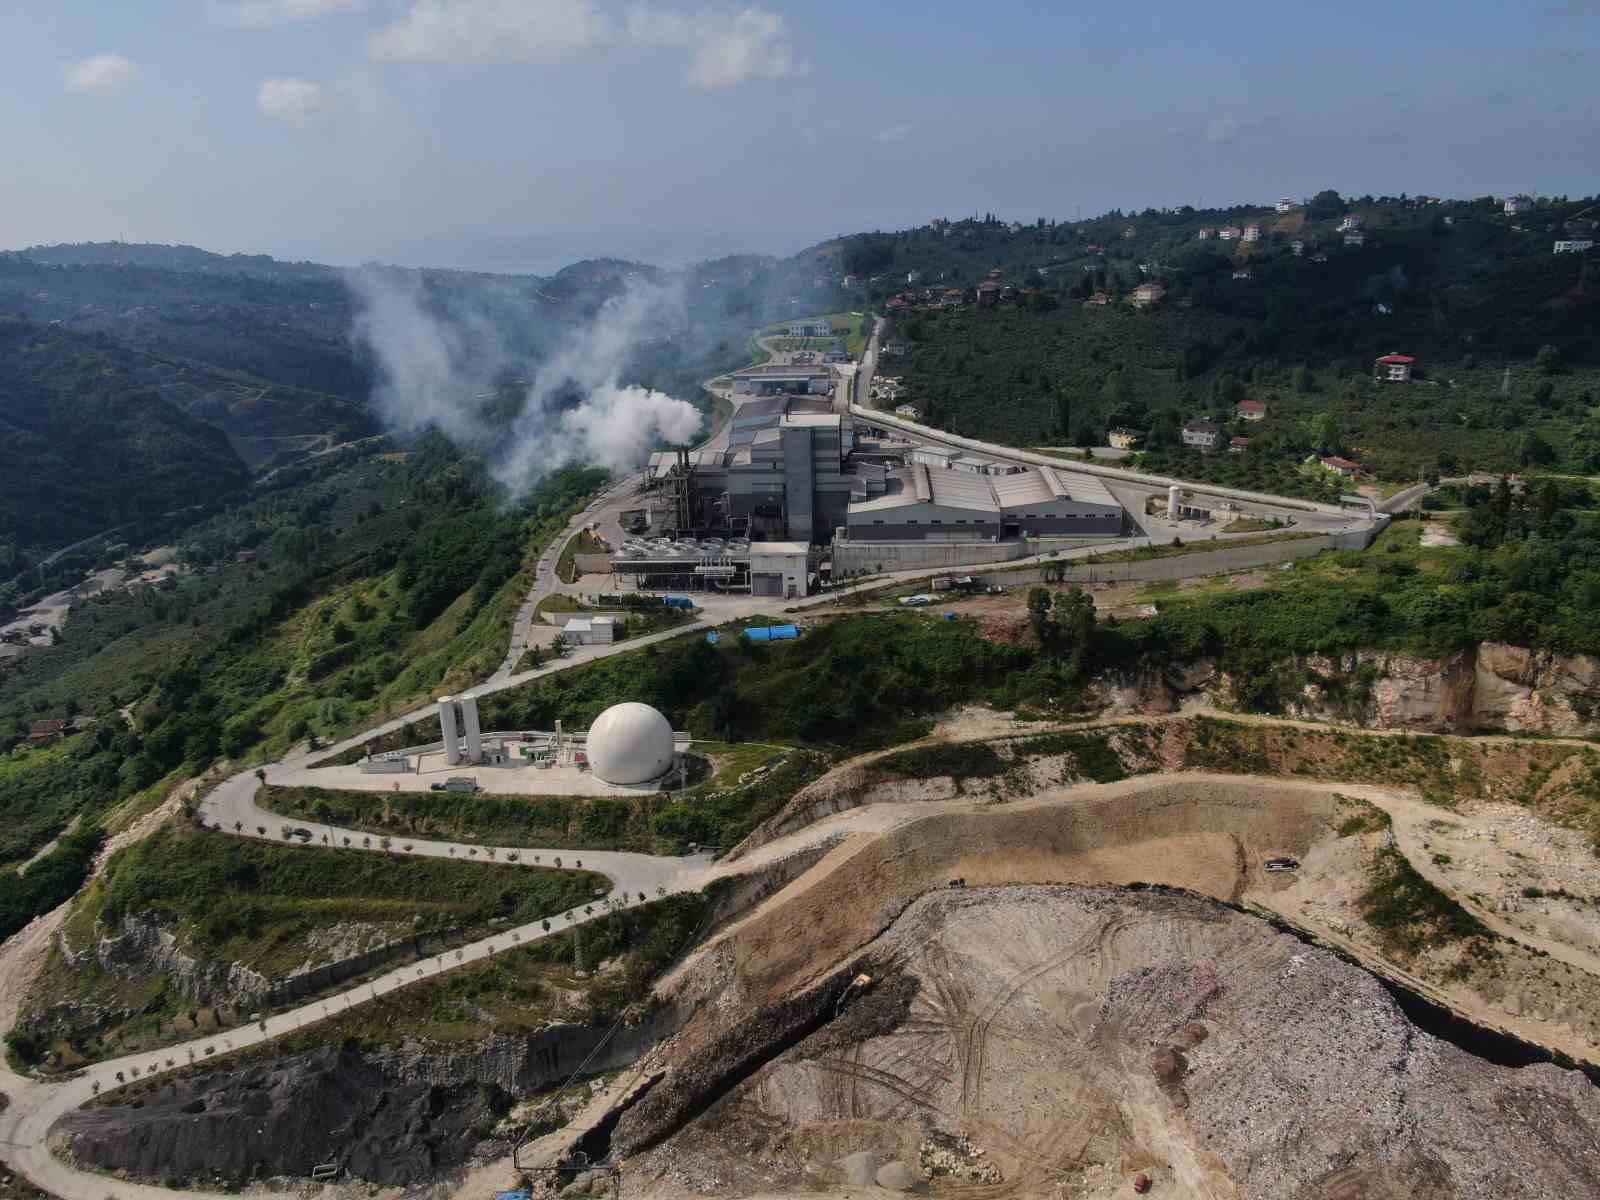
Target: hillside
{"x": 1466, "y": 290}
{"x": 86, "y": 445}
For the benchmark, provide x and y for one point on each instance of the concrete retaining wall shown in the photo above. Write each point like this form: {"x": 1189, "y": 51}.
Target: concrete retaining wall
{"x": 853, "y": 557}
{"x": 1222, "y": 561}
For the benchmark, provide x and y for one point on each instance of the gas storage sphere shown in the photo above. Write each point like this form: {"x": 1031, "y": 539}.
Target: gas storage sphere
{"x": 630, "y": 743}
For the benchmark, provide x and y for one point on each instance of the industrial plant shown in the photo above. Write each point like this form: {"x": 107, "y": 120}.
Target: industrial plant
{"x": 798, "y": 476}
{"x": 629, "y": 745}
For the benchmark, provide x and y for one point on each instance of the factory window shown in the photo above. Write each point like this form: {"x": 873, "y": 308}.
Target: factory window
{"x": 961, "y": 520}
{"x": 912, "y": 522}
{"x": 877, "y": 522}
{"x": 937, "y": 521}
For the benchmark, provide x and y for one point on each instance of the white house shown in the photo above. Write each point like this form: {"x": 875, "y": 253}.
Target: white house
{"x": 1355, "y": 238}
{"x": 1252, "y": 233}
{"x": 1351, "y": 221}
{"x": 1574, "y": 245}
{"x": 1205, "y": 234}
{"x": 1515, "y": 205}
{"x": 1147, "y": 294}
{"x": 1201, "y": 434}
{"x": 1285, "y": 204}
{"x": 1230, "y": 234}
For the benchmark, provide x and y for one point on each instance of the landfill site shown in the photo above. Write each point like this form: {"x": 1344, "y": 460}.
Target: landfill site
{"x": 1091, "y": 992}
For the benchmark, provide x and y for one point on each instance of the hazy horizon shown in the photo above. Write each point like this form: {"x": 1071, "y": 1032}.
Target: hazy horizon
{"x": 485, "y": 131}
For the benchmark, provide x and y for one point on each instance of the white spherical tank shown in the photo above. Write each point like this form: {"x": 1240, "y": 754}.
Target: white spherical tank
{"x": 630, "y": 743}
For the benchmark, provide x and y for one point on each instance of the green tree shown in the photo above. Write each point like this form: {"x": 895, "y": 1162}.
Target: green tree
{"x": 1548, "y": 360}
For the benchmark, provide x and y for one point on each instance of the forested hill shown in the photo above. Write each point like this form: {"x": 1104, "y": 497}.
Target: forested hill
{"x": 1502, "y": 328}
{"x": 84, "y": 446}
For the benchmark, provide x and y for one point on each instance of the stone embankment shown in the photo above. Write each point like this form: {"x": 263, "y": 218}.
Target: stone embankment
{"x": 1495, "y": 687}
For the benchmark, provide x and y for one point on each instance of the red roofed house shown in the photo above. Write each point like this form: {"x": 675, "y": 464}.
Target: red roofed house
{"x": 1147, "y": 294}
{"x": 1252, "y": 410}
{"x": 1100, "y": 298}
{"x": 1343, "y": 466}
{"x": 1396, "y": 368}
{"x": 897, "y": 303}
{"x": 1238, "y": 445}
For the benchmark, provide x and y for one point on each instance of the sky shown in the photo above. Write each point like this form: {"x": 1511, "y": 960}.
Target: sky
{"x": 521, "y": 134}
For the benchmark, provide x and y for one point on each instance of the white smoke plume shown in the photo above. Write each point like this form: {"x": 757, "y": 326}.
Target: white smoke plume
{"x": 438, "y": 360}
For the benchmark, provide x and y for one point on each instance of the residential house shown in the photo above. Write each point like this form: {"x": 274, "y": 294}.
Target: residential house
{"x": 1285, "y": 204}
{"x": 951, "y": 298}
{"x": 910, "y": 411}
{"x": 1231, "y": 234}
{"x": 896, "y": 347}
{"x": 913, "y": 278}
{"x": 1298, "y": 247}
{"x": 1516, "y": 205}
{"x": 1252, "y": 233}
{"x": 43, "y": 733}
{"x": 1100, "y": 298}
{"x": 1147, "y": 294}
{"x": 1355, "y": 238}
{"x": 1351, "y": 221}
{"x": 1242, "y": 273}
{"x": 1393, "y": 368}
{"x": 1123, "y": 439}
{"x": 1206, "y": 235}
{"x": 1238, "y": 445}
{"x": 988, "y": 294}
{"x": 897, "y": 304}
{"x": 1129, "y": 233}
{"x": 1202, "y": 435}
{"x": 1343, "y": 466}
{"x": 1574, "y": 245}
{"x": 1252, "y": 410}
{"x": 1319, "y": 258}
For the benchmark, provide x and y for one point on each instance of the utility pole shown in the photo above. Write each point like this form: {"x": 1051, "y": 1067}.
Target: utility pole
{"x": 1505, "y": 381}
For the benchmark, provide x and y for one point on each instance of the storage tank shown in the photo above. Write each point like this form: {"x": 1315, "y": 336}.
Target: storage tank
{"x": 1174, "y": 502}
{"x": 629, "y": 744}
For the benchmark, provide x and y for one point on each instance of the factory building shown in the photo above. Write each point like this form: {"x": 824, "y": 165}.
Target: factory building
{"x": 777, "y": 379}
{"x": 782, "y": 478}
{"x": 929, "y": 504}
{"x": 779, "y": 568}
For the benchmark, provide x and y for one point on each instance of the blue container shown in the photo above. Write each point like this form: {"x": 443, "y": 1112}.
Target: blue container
{"x": 950, "y": 616}
{"x": 677, "y": 602}
{"x": 712, "y": 639}
{"x": 772, "y": 633}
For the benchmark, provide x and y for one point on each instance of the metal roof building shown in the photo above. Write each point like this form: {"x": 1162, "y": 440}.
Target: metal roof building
{"x": 925, "y": 504}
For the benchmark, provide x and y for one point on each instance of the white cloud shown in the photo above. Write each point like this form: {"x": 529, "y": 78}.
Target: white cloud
{"x": 101, "y": 75}
{"x": 725, "y": 48}
{"x": 263, "y": 14}
{"x": 294, "y": 101}
{"x": 483, "y": 31}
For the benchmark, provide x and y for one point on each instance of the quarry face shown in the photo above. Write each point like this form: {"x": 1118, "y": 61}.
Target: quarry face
{"x": 1060, "y": 1040}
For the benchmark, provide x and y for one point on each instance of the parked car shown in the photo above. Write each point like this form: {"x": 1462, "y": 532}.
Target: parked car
{"x": 436, "y": 787}
{"x": 1282, "y": 864}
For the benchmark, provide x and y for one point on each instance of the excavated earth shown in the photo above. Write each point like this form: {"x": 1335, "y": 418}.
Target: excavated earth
{"x": 1055, "y": 1040}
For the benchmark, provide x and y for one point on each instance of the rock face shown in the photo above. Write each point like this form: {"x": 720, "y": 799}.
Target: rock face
{"x": 1092, "y": 1033}
{"x": 319, "y": 1107}
{"x": 1496, "y": 686}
